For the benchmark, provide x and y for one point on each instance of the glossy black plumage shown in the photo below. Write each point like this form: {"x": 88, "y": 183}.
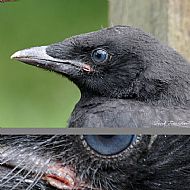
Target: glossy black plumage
{"x": 142, "y": 82}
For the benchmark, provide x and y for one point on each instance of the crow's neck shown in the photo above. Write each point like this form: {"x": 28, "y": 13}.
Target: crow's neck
{"x": 174, "y": 97}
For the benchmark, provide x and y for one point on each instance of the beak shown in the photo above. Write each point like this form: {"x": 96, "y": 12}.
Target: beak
{"x": 37, "y": 56}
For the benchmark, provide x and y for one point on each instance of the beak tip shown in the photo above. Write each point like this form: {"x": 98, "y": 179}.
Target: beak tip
{"x": 15, "y": 55}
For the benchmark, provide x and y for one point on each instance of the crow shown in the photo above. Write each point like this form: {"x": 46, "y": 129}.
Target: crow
{"x": 94, "y": 162}
{"x": 126, "y": 77}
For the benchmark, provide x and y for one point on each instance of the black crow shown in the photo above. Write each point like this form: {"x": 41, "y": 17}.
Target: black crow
{"x": 127, "y": 78}
{"x": 90, "y": 162}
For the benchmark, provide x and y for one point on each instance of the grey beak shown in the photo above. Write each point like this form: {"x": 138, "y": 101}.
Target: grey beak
{"x": 37, "y": 56}
{"x": 32, "y": 53}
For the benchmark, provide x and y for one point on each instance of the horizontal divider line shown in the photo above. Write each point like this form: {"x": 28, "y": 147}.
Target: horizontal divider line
{"x": 95, "y": 131}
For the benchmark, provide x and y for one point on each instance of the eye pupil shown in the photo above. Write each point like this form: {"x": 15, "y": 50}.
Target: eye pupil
{"x": 99, "y": 55}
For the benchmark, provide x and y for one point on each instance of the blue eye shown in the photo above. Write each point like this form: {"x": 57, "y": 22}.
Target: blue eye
{"x": 99, "y": 55}
{"x": 109, "y": 144}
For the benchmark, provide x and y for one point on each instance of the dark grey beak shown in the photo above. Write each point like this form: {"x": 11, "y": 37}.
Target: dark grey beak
{"x": 37, "y": 56}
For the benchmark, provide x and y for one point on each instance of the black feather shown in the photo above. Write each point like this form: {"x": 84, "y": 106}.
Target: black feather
{"x": 153, "y": 163}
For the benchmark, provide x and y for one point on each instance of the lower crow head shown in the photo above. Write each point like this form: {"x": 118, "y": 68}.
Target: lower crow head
{"x": 91, "y": 162}
{"x": 118, "y": 62}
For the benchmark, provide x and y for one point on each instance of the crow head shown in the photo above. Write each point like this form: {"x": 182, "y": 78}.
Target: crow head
{"x": 117, "y": 62}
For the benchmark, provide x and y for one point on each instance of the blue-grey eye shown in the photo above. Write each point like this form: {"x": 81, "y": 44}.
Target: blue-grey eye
{"x": 99, "y": 55}
{"x": 109, "y": 144}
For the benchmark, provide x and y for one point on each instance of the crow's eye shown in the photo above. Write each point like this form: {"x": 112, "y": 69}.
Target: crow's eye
{"x": 109, "y": 144}
{"x": 99, "y": 55}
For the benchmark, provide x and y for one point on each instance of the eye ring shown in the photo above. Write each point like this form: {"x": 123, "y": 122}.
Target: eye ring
{"x": 114, "y": 155}
{"x": 99, "y": 55}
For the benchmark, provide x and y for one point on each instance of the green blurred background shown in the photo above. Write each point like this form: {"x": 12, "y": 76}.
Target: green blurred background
{"x": 30, "y": 97}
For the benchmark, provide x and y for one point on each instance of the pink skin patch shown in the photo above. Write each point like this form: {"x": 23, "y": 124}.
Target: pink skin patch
{"x": 63, "y": 178}
{"x": 87, "y": 68}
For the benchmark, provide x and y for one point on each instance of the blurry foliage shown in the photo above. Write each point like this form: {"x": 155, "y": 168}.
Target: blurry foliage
{"x": 31, "y": 97}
